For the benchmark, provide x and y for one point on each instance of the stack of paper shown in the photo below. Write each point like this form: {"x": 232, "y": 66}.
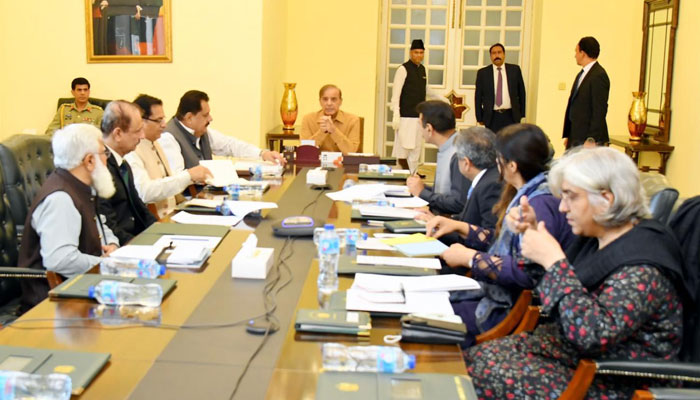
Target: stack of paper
{"x": 417, "y": 245}
{"x": 430, "y": 302}
{"x": 223, "y": 172}
{"x": 243, "y": 208}
{"x": 432, "y": 263}
{"x": 372, "y": 244}
{"x": 431, "y": 283}
{"x": 358, "y": 192}
{"x": 184, "y": 217}
{"x": 384, "y": 211}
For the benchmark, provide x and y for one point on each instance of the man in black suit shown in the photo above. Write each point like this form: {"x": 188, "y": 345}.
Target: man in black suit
{"x": 476, "y": 154}
{"x": 122, "y": 129}
{"x": 499, "y": 99}
{"x": 588, "y": 102}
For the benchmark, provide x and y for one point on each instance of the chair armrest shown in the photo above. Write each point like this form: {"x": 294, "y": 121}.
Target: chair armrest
{"x": 15, "y": 272}
{"x": 667, "y": 394}
{"x": 688, "y": 372}
{"x": 511, "y": 321}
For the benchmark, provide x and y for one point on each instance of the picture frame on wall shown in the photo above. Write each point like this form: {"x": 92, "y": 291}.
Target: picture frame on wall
{"x": 130, "y": 31}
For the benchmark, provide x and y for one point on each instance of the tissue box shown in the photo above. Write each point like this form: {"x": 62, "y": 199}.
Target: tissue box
{"x": 255, "y": 267}
{"x": 316, "y": 176}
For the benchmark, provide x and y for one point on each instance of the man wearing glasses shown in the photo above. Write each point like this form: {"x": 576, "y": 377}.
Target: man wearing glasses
{"x": 153, "y": 178}
{"x": 122, "y": 129}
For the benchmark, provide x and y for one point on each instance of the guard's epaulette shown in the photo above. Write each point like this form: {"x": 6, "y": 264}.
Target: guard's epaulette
{"x": 95, "y": 106}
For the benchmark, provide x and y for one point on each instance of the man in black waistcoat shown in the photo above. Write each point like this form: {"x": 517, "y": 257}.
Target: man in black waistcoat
{"x": 122, "y": 129}
{"x": 410, "y": 88}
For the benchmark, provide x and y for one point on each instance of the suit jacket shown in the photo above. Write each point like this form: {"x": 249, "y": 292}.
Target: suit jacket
{"x": 452, "y": 202}
{"x": 485, "y": 94}
{"x": 477, "y": 210}
{"x": 587, "y": 108}
{"x": 126, "y": 214}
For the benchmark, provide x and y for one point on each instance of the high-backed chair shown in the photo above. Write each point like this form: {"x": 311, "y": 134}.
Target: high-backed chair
{"x": 27, "y": 161}
{"x": 661, "y": 195}
{"x": 92, "y": 100}
{"x": 362, "y": 135}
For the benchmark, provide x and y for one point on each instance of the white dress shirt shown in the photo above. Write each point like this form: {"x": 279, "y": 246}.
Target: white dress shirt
{"x": 221, "y": 145}
{"x": 506, "y": 94}
{"x": 57, "y": 222}
{"x": 154, "y": 190}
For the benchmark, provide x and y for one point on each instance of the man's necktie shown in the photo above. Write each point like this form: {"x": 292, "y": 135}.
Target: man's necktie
{"x": 577, "y": 83}
{"x": 124, "y": 172}
{"x": 499, "y": 88}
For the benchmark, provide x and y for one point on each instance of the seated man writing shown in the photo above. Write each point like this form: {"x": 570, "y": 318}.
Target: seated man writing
{"x": 331, "y": 128}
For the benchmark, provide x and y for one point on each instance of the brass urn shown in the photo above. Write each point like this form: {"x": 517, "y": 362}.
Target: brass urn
{"x": 289, "y": 107}
{"x": 637, "y": 118}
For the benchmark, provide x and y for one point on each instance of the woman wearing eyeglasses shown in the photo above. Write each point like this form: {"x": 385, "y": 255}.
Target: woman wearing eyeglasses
{"x": 494, "y": 255}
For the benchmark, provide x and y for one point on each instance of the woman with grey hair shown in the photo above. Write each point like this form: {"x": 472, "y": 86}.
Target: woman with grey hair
{"x": 615, "y": 294}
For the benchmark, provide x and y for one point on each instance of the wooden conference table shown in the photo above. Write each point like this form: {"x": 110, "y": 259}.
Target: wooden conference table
{"x": 205, "y": 362}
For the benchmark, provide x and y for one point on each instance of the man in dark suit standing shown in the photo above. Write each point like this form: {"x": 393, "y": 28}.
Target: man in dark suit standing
{"x": 499, "y": 99}
{"x": 122, "y": 129}
{"x": 588, "y": 101}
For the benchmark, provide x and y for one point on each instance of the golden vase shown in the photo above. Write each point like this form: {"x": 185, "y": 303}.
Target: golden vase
{"x": 637, "y": 118}
{"x": 289, "y": 107}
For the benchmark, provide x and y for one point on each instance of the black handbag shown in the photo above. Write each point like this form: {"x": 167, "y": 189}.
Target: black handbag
{"x": 421, "y": 329}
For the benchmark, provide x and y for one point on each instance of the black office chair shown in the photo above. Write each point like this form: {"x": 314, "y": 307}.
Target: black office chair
{"x": 27, "y": 161}
{"x": 661, "y": 195}
{"x": 686, "y": 226}
{"x": 92, "y": 100}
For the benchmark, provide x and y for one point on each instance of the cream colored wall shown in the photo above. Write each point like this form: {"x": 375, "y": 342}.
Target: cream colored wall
{"x": 684, "y": 164}
{"x": 334, "y": 42}
{"x": 617, "y": 26}
{"x": 217, "y": 48}
{"x": 274, "y": 58}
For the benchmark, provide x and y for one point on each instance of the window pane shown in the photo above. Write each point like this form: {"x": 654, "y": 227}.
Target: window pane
{"x": 473, "y": 2}
{"x": 491, "y": 37}
{"x": 398, "y": 16}
{"x": 493, "y": 18}
{"x": 512, "y": 38}
{"x": 392, "y": 72}
{"x": 418, "y": 17}
{"x": 418, "y": 2}
{"x": 487, "y": 57}
{"x": 471, "y": 57}
{"x": 435, "y": 76}
{"x": 438, "y": 17}
{"x": 473, "y": 18}
{"x": 439, "y": 2}
{"x": 436, "y": 57}
{"x": 396, "y": 56}
{"x": 389, "y": 132}
{"x": 437, "y": 37}
{"x": 513, "y": 18}
{"x": 389, "y": 149}
{"x": 398, "y": 36}
{"x": 471, "y": 38}
{"x": 398, "y": 1}
{"x": 515, "y": 3}
{"x": 494, "y": 2}
{"x": 389, "y": 94}
{"x": 513, "y": 56}
{"x": 468, "y": 76}
{"x": 418, "y": 34}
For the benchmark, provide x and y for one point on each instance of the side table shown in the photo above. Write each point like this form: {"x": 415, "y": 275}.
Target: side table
{"x": 279, "y": 135}
{"x": 646, "y": 145}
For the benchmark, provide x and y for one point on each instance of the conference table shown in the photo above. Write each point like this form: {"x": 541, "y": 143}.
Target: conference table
{"x": 200, "y": 346}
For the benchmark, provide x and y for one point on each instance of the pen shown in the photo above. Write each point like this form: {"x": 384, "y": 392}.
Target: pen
{"x": 403, "y": 292}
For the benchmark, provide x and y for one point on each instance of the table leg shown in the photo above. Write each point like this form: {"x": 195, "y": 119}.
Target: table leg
{"x": 664, "y": 159}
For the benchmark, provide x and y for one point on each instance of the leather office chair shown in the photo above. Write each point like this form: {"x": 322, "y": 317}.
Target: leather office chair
{"x": 27, "y": 161}
{"x": 686, "y": 226}
{"x": 661, "y": 195}
{"x": 92, "y": 100}
{"x": 362, "y": 135}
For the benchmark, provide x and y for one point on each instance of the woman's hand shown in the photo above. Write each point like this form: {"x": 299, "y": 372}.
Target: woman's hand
{"x": 521, "y": 218}
{"x": 425, "y": 215}
{"x": 439, "y": 226}
{"x": 541, "y": 247}
{"x": 458, "y": 256}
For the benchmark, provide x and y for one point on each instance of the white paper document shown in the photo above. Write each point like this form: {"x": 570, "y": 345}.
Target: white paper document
{"x": 432, "y": 263}
{"x": 373, "y": 244}
{"x": 242, "y": 208}
{"x": 381, "y": 235}
{"x": 407, "y": 202}
{"x": 358, "y": 192}
{"x": 430, "y": 302}
{"x": 209, "y": 242}
{"x": 183, "y": 217}
{"x": 206, "y": 203}
{"x": 223, "y": 172}
{"x": 137, "y": 252}
{"x": 432, "y": 283}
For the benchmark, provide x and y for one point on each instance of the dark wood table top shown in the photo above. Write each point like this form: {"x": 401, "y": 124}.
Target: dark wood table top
{"x": 644, "y": 145}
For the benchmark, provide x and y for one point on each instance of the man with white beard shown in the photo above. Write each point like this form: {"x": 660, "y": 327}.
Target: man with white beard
{"x": 62, "y": 232}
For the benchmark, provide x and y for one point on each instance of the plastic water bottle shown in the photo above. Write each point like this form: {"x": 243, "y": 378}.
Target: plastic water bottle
{"x": 257, "y": 172}
{"x": 352, "y": 235}
{"x": 122, "y": 293}
{"x": 223, "y": 209}
{"x": 119, "y": 315}
{"x": 387, "y": 359}
{"x": 348, "y": 183}
{"x": 138, "y": 269}
{"x": 234, "y": 191}
{"x": 21, "y": 385}
{"x": 328, "y": 252}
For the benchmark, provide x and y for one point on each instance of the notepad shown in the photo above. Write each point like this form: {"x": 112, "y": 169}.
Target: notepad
{"x": 184, "y": 217}
{"x": 432, "y": 263}
{"x": 384, "y": 211}
{"x": 223, "y": 172}
{"x": 430, "y": 248}
{"x": 436, "y": 302}
{"x": 433, "y": 283}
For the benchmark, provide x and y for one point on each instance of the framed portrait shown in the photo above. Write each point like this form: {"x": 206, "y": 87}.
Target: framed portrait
{"x": 134, "y": 31}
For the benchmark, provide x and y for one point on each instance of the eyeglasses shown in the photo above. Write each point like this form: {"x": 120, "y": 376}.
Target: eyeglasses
{"x": 106, "y": 152}
{"x": 157, "y": 121}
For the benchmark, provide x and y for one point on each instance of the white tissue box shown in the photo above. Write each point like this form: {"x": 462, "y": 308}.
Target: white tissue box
{"x": 255, "y": 267}
{"x": 316, "y": 176}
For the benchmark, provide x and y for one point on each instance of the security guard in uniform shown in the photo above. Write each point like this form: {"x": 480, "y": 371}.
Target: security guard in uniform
{"x": 80, "y": 111}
